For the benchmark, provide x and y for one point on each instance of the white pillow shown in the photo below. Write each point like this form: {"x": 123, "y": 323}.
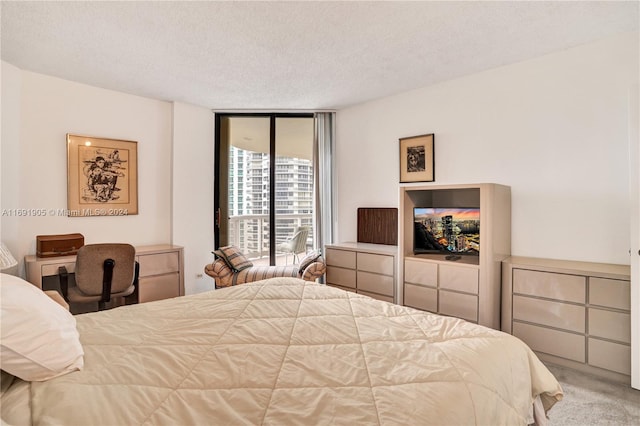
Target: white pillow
{"x": 39, "y": 337}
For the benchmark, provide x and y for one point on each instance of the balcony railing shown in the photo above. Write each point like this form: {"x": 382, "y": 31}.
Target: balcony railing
{"x": 250, "y": 233}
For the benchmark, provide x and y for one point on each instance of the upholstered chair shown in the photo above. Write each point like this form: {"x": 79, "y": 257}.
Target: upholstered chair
{"x": 102, "y": 271}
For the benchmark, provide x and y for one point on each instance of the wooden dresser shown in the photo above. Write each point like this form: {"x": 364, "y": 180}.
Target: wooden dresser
{"x": 575, "y": 314}
{"x": 365, "y": 268}
{"x": 161, "y": 272}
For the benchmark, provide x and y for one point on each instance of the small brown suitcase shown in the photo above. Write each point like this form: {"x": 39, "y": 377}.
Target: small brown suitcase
{"x": 58, "y": 245}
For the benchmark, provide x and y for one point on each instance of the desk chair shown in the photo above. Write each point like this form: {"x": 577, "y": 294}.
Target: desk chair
{"x": 297, "y": 244}
{"x": 102, "y": 271}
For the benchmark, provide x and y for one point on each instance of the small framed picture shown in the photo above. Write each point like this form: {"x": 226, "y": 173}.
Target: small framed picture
{"x": 417, "y": 159}
{"x": 102, "y": 176}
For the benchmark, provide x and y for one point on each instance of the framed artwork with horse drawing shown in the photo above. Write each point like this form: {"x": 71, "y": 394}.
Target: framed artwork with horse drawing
{"x": 417, "y": 159}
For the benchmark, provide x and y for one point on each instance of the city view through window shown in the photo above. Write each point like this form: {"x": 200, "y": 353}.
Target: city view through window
{"x": 271, "y": 222}
{"x": 248, "y": 194}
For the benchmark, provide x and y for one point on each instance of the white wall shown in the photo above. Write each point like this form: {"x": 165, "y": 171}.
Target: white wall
{"x": 10, "y": 152}
{"x": 553, "y": 128}
{"x": 192, "y": 221}
{"x": 38, "y": 111}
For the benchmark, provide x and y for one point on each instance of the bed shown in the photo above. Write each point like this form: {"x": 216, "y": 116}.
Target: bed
{"x": 286, "y": 351}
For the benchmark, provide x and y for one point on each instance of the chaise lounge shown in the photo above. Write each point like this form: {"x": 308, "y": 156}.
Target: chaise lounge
{"x": 231, "y": 268}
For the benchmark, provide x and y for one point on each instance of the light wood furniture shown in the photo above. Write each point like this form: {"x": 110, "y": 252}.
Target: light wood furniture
{"x": 161, "y": 270}
{"x": 469, "y": 287}
{"x": 575, "y": 314}
{"x": 365, "y": 268}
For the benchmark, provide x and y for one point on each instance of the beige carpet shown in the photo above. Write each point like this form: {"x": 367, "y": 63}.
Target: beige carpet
{"x": 590, "y": 400}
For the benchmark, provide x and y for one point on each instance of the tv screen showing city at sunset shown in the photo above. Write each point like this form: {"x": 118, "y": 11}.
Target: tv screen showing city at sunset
{"x": 446, "y": 230}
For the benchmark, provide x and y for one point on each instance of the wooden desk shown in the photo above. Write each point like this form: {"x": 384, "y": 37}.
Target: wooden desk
{"x": 161, "y": 270}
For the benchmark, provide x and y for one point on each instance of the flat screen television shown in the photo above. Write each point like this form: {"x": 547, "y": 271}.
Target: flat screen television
{"x": 451, "y": 231}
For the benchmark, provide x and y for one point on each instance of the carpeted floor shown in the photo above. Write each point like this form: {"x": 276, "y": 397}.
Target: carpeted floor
{"x": 590, "y": 400}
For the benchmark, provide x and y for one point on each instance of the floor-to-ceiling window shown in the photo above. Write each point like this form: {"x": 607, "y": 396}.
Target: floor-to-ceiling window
{"x": 264, "y": 176}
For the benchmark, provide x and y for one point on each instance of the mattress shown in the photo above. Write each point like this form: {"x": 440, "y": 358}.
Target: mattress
{"x": 286, "y": 351}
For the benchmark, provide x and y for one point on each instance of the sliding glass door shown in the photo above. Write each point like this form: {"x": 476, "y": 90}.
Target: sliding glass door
{"x": 264, "y": 176}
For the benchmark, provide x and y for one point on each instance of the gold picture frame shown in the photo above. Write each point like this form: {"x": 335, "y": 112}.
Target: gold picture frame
{"x": 102, "y": 176}
{"x": 417, "y": 159}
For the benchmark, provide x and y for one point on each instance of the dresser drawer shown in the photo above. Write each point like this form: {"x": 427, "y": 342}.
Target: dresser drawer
{"x": 52, "y": 269}
{"x": 458, "y": 278}
{"x": 380, "y": 284}
{"x": 554, "y": 342}
{"x": 341, "y": 276}
{"x": 158, "y": 263}
{"x": 570, "y": 288}
{"x": 376, "y": 296}
{"x": 610, "y": 356}
{"x": 424, "y": 273}
{"x": 159, "y": 287}
{"x": 459, "y": 305}
{"x": 552, "y": 314}
{"x": 610, "y": 325}
{"x": 376, "y": 263}
{"x": 341, "y": 258}
{"x": 352, "y": 290}
{"x": 420, "y": 297}
{"x": 610, "y": 293}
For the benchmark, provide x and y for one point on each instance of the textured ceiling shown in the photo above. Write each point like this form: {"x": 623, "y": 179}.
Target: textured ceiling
{"x": 291, "y": 55}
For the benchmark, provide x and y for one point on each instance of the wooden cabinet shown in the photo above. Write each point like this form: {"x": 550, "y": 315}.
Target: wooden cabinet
{"x": 441, "y": 288}
{"x": 363, "y": 268}
{"x": 575, "y": 314}
{"x": 161, "y": 272}
{"x": 469, "y": 286}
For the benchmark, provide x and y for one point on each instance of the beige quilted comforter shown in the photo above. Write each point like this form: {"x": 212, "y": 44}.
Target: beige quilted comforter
{"x": 284, "y": 351}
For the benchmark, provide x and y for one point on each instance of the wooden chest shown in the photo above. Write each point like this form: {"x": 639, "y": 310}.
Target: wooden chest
{"x": 58, "y": 245}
